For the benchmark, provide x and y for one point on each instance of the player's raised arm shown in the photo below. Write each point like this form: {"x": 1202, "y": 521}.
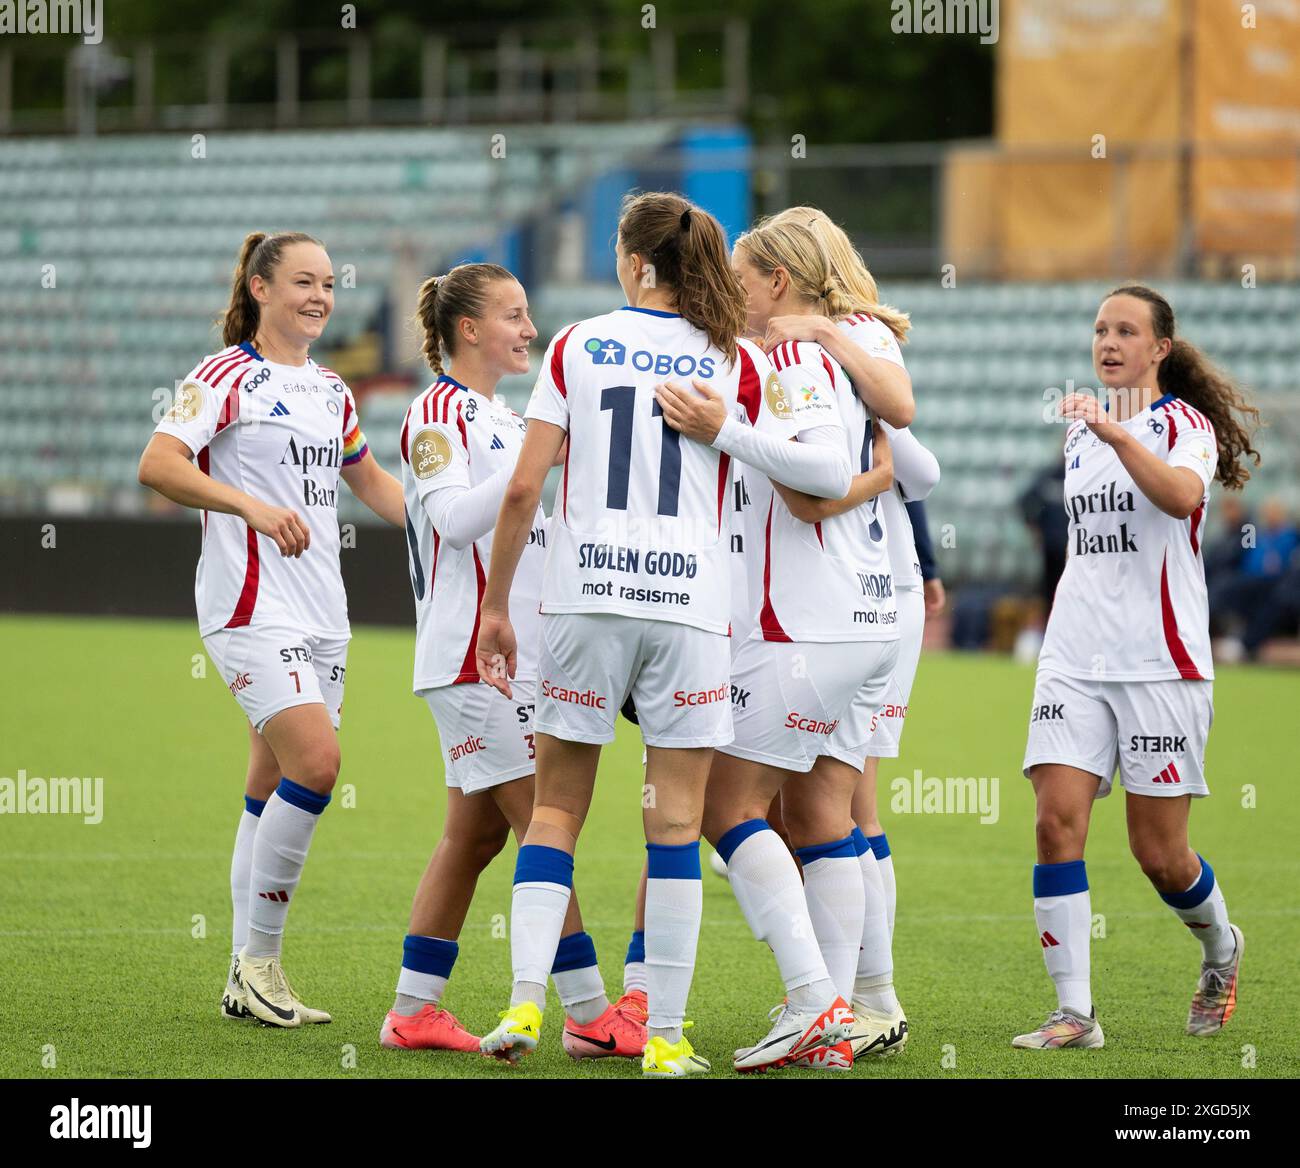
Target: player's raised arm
{"x": 1177, "y": 489}
{"x": 812, "y": 468}
{"x": 884, "y": 386}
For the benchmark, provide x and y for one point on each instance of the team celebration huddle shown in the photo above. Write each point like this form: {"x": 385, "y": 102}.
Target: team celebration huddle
{"x": 736, "y": 562}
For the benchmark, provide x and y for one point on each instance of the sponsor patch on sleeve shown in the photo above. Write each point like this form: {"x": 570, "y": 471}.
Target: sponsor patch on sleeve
{"x": 430, "y": 454}
{"x": 188, "y": 403}
{"x": 774, "y": 396}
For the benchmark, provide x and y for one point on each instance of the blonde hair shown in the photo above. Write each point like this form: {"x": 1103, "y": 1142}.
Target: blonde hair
{"x": 848, "y": 267}
{"x": 793, "y": 246}
{"x": 259, "y": 255}
{"x": 688, "y": 249}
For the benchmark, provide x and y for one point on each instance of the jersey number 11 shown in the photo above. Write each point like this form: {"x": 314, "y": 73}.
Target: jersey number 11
{"x": 621, "y": 400}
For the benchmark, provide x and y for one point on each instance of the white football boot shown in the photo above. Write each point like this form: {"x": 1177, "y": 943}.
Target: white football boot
{"x": 877, "y": 1034}
{"x": 1063, "y": 1028}
{"x": 795, "y": 1033}
{"x": 268, "y": 996}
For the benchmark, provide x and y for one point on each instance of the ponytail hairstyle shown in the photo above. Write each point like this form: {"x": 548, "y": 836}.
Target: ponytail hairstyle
{"x": 794, "y": 247}
{"x": 688, "y": 250}
{"x": 444, "y": 300}
{"x": 1188, "y": 374}
{"x": 848, "y": 267}
{"x": 259, "y": 256}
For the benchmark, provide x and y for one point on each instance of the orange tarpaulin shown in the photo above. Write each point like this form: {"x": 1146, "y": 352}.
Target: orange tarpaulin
{"x": 1246, "y": 86}
{"x": 1069, "y": 69}
{"x": 1129, "y": 128}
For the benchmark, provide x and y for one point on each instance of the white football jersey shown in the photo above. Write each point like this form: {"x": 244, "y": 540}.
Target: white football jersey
{"x": 1131, "y": 604}
{"x": 455, "y": 437}
{"x": 876, "y": 339}
{"x": 642, "y": 522}
{"x": 744, "y": 605}
{"x": 282, "y": 433}
{"x": 828, "y": 581}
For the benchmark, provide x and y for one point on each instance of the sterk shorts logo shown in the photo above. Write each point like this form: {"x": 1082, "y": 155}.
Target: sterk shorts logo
{"x": 606, "y": 352}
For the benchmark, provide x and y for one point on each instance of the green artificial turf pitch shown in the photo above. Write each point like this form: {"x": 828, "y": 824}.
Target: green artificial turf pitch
{"x": 115, "y": 935}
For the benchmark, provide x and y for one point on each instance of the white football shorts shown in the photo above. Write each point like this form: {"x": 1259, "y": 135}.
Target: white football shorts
{"x": 1154, "y": 732}
{"x": 884, "y": 725}
{"x": 270, "y": 668}
{"x": 677, "y": 676}
{"x": 788, "y": 698}
{"x": 486, "y": 737}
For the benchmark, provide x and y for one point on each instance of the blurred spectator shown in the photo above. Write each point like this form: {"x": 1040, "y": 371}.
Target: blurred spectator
{"x": 1224, "y": 550}
{"x": 1042, "y": 507}
{"x": 1262, "y": 587}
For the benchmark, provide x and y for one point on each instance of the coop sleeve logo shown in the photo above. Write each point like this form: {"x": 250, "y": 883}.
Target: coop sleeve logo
{"x": 102, "y": 1121}
{"x": 430, "y": 454}
{"x": 608, "y": 352}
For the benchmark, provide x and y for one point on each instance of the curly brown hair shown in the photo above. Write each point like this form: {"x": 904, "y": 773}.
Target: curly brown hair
{"x": 1188, "y": 374}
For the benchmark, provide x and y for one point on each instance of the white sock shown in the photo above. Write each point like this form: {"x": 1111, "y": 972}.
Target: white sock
{"x": 634, "y": 974}
{"x": 577, "y": 979}
{"x": 1202, "y": 909}
{"x": 885, "y": 865}
{"x": 279, "y": 852}
{"x": 241, "y": 871}
{"x": 674, "y": 905}
{"x": 874, "y": 984}
{"x": 543, "y": 885}
{"x": 1063, "y": 911}
{"x": 832, "y": 884}
{"x": 426, "y": 988}
{"x": 426, "y": 966}
{"x": 763, "y": 876}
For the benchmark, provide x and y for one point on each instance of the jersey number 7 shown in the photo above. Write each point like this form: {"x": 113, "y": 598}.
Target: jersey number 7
{"x": 621, "y": 401}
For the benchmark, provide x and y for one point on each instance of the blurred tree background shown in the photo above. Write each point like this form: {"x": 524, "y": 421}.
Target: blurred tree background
{"x": 832, "y": 70}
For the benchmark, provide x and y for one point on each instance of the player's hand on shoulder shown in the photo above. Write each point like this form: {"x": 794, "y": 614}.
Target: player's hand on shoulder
{"x": 794, "y": 328}
{"x": 698, "y": 414}
{"x": 284, "y": 525}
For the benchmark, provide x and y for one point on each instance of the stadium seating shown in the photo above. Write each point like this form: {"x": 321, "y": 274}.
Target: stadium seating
{"x": 138, "y": 238}
{"x": 115, "y": 254}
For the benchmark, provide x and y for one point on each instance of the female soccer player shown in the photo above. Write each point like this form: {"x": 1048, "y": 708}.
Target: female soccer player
{"x": 459, "y": 448}
{"x": 272, "y": 432}
{"x": 1125, "y": 674}
{"x": 866, "y": 343}
{"x": 635, "y": 593}
{"x": 826, "y": 637}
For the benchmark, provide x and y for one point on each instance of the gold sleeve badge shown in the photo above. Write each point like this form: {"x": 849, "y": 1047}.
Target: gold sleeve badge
{"x": 774, "y": 396}
{"x": 188, "y": 403}
{"x": 430, "y": 454}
